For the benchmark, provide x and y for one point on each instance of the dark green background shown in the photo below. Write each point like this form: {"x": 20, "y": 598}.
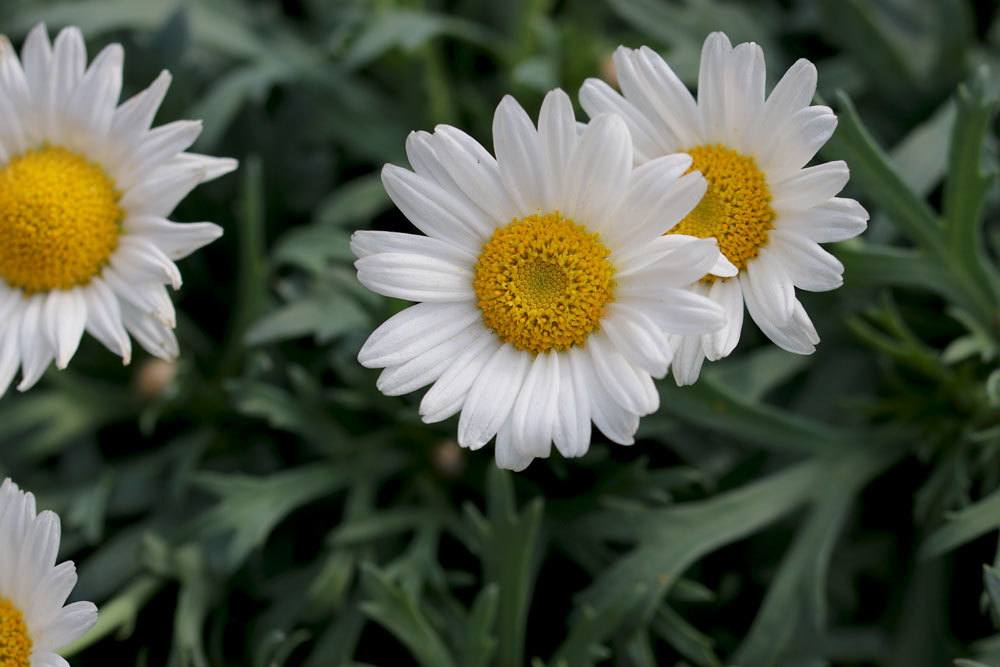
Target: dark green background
{"x": 268, "y": 507}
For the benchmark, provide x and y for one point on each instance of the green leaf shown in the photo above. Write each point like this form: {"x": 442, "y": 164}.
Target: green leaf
{"x": 354, "y": 203}
{"x": 873, "y": 172}
{"x": 874, "y": 265}
{"x": 793, "y": 616}
{"x": 964, "y": 526}
{"x": 479, "y": 645}
{"x": 856, "y": 26}
{"x": 394, "y": 607}
{"x": 324, "y": 316}
{"x": 685, "y": 638}
{"x": 583, "y": 647}
{"x": 407, "y": 29}
{"x": 921, "y": 158}
{"x": 250, "y": 507}
{"x": 991, "y": 581}
{"x": 507, "y": 543}
{"x": 967, "y": 183}
{"x": 709, "y": 405}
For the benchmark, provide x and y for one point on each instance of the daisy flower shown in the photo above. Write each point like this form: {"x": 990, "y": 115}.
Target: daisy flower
{"x": 546, "y": 285}
{"x": 768, "y": 211}
{"x": 34, "y": 619}
{"x": 85, "y": 190}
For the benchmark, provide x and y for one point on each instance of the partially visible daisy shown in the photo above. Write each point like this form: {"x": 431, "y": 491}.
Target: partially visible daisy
{"x": 547, "y": 287}
{"x": 767, "y": 210}
{"x": 85, "y": 190}
{"x": 35, "y": 620}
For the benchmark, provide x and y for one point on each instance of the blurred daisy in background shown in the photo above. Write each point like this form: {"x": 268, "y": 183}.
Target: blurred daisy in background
{"x": 85, "y": 190}
{"x": 34, "y": 623}
{"x": 546, "y": 283}
{"x": 767, "y": 210}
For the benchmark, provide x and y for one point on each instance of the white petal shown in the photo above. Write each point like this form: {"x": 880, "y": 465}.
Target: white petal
{"x": 492, "y": 396}
{"x": 176, "y": 240}
{"x": 135, "y": 116}
{"x": 428, "y": 366}
{"x": 571, "y": 432}
{"x": 638, "y": 338}
{"x": 637, "y": 90}
{"x": 150, "y": 298}
{"x": 449, "y": 392}
{"x": 519, "y": 156}
{"x": 599, "y": 172}
{"x": 771, "y": 287}
{"x": 658, "y": 198}
{"x": 92, "y": 105}
{"x": 36, "y": 350}
{"x": 626, "y": 385}
{"x": 507, "y": 455}
{"x": 415, "y": 277}
{"x": 365, "y": 243}
{"x": 712, "y": 76}
{"x": 729, "y": 295}
{"x": 674, "y": 102}
{"x": 598, "y": 98}
{"x": 617, "y": 423}
{"x": 836, "y": 220}
{"x": 676, "y": 310}
{"x": 797, "y": 142}
{"x": 104, "y": 319}
{"x": 160, "y": 192}
{"x": 798, "y": 335}
{"x": 65, "y": 319}
{"x": 675, "y": 260}
{"x": 688, "y": 359}
{"x": 792, "y": 93}
{"x": 433, "y": 210}
{"x": 69, "y": 59}
{"x": 535, "y": 412}
{"x": 744, "y": 92}
{"x": 71, "y": 624}
{"x": 414, "y": 331}
{"x": 809, "y": 266}
{"x": 152, "y": 334}
{"x": 142, "y": 261}
{"x": 476, "y": 173}
{"x": 156, "y": 148}
{"x": 810, "y": 186}
{"x": 557, "y": 136}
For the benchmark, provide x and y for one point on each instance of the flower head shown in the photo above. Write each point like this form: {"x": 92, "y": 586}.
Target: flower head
{"x": 768, "y": 211}
{"x": 35, "y": 620}
{"x": 85, "y": 190}
{"x": 546, "y": 283}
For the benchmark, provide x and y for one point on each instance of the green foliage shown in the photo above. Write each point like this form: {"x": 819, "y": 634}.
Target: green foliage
{"x": 262, "y": 504}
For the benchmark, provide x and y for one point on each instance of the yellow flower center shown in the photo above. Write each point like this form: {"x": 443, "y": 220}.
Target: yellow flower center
{"x": 543, "y": 282}
{"x": 736, "y": 209}
{"x": 15, "y": 643}
{"x": 59, "y": 220}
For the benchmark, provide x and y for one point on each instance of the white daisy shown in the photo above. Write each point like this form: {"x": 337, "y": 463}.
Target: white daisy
{"x": 34, "y": 623}
{"x": 768, "y": 211}
{"x": 85, "y": 190}
{"x": 546, "y": 283}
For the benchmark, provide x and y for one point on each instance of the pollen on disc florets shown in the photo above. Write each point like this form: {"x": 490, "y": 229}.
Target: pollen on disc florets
{"x": 15, "y": 642}
{"x": 59, "y": 220}
{"x": 736, "y": 209}
{"x": 543, "y": 282}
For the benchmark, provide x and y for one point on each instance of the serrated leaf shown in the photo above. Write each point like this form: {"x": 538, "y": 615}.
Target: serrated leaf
{"x": 964, "y": 526}
{"x": 395, "y": 609}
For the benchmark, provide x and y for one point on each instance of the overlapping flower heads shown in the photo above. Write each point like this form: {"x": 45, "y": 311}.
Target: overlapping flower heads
{"x": 549, "y": 275}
